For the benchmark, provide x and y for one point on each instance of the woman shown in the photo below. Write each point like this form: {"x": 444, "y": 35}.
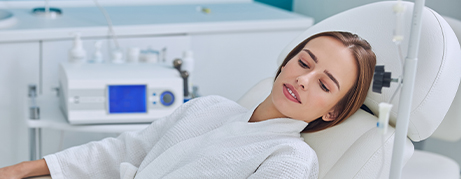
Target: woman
{"x": 321, "y": 82}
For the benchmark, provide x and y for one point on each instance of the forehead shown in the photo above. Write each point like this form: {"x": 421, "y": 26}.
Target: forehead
{"x": 335, "y": 58}
{"x": 328, "y": 41}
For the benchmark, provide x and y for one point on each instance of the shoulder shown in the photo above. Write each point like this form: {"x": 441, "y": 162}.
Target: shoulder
{"x": 212, "y": 100}
{"x": 291, "y": 160}
{"x": 304, "y": 156}
{"x": 297, "y": 149}
{"x": 209, "y": 105}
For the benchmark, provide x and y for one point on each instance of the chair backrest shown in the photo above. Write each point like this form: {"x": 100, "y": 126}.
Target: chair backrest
{"x": 450, "y": 128}
{"x": 353, "y": 149}
{"x": 438, "y": 73}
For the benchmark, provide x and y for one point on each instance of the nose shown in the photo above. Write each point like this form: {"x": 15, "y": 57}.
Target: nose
{"x": 304, "y": 80}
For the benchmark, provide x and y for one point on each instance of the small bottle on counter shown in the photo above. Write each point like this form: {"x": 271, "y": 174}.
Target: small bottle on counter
{"x": 97, "y": 55}
{"x": 77, "y": 54}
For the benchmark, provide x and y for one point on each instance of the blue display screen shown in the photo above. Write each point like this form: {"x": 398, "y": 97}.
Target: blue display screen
{"x": 127, "y": 98}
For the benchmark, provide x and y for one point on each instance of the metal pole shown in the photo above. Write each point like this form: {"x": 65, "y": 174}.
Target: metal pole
{"x": 403, "y": 117}
{"x": 35, "y": 143}
{"x": 35, "y": 134}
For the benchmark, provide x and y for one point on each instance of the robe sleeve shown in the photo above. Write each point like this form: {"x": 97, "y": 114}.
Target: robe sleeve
{"x": 102, "y": 159}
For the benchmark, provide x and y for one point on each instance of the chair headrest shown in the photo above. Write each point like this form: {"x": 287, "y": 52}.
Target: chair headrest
{"x": 438, "y": 73}
{"x": 449, "y": 129}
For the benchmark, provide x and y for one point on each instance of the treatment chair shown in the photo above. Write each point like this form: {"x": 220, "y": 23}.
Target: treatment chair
{"x": 353, "y": 149}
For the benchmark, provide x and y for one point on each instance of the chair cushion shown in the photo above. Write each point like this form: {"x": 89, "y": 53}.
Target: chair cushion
{"x": 253, "y": 97}
{"x": 426, "y": 165}
{"x": 438, "y": 73}
{"x": 354, "y": 148}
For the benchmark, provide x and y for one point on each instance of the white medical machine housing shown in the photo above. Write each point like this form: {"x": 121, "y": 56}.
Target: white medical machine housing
{"x": 118, "y": 93}
{"x": 353, "y": 149}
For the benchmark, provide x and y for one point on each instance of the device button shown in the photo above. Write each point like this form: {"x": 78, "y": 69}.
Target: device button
{"x": 167, "y": 98}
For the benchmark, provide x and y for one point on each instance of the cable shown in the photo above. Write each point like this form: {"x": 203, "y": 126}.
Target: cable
{"x": 399, "y": 50}
{"x": 402, "y": 66}
{"x": 398, "y": 37}
{"x": 384, "y": 157}
{"x": 109, "y": 23}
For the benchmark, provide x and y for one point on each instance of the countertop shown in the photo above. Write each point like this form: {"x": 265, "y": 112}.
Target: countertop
{"x": 153, "y": 20}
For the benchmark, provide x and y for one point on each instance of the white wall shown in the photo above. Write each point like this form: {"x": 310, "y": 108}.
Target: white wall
{"x": 251, "y": 59}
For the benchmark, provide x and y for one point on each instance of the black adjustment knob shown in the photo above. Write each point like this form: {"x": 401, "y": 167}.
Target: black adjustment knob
{"x": 381, "y": 79}
{"x": 177, "y": 63}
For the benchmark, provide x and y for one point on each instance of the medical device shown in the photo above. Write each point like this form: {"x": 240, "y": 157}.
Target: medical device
{"x": 118, "y": 93}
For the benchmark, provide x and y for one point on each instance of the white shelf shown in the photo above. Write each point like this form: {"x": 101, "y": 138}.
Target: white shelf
{"x": 51, "y": 117}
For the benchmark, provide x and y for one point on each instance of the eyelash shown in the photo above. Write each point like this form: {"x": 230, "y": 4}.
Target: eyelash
{"x": 302, "y": 64}
{"x": 324, "y": 88}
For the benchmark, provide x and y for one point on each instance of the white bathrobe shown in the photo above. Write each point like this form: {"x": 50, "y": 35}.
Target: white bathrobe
{"x": 208, "y": 137}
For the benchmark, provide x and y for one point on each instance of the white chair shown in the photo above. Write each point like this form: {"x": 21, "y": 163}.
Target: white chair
{"x": 353, "y": 149}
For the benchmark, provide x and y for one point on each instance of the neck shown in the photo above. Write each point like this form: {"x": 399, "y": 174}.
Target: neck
{"x": 266, "y": 110}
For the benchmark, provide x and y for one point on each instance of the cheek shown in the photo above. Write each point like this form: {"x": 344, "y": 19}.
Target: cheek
{"x": 320, "y": 102}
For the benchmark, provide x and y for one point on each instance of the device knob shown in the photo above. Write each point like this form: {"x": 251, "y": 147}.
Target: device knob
{"x": 381, "y": 79}
{"x": 167, "y": 98}
{"x": 177, "y": 64}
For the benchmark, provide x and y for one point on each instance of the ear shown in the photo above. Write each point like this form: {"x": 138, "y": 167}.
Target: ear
{"x": 330, "y": 116}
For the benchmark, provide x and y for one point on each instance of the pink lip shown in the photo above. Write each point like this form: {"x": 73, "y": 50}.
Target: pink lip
{"x": 288, "y": 95}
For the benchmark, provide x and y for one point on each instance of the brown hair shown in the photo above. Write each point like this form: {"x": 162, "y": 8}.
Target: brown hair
{"x": 354, "y": 98}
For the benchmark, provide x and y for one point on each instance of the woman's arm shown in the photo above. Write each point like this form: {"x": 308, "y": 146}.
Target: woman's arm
{"x": 25, "y": 169}
{"x": 102, "y": 159}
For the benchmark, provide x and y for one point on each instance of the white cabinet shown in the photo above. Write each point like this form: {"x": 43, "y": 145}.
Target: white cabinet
{"x": 19, "y": 66}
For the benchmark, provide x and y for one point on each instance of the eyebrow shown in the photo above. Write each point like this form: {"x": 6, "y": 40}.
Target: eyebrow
{"x": 332, "y": 78}
{"x": 311, "y": 54}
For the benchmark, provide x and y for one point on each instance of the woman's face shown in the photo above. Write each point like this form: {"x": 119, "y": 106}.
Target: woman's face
{"x": 313, "y": 81}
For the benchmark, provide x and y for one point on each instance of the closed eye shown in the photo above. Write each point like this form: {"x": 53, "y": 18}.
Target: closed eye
{"x": 302, "y": 64}
{"x": 324, "y": 88}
